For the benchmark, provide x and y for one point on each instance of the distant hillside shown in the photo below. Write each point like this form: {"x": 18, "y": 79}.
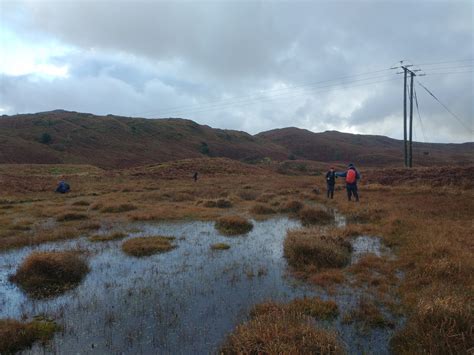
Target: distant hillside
{"x": 63, "y": 137}
{"x": 369, "y": 150}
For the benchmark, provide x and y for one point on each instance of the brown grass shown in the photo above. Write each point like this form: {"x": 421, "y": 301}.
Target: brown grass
{"x": 315, "y": 249}
{"x": 233, "y": 225}
{"x": 125, "y": 207}
{"x": 314, "y": 215}
{"x": 281, "y": 332}
{"x": 146, "y": 246}
{"x": 368, "y": 315}
{"x": 16, "y": 336}
{"x": 46, "y": 274}
{"x": 309, "y": 306}
{"x": 327, "y": 278}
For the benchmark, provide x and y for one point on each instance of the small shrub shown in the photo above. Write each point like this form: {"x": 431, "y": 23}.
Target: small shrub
{"x": 220, "y": 246}
{"x": 16, "y": 336}
{"x": 315, "y": 248}
{"x": 233, "y": 225}
{"x": 71, "y": 217}
{"x": 45, "y": 274}
{"x": 146, "y": 246}
{"x": 125, "y": 207}
{"x": 107, "y": 237}
{"x": 209, "y": 204}
{"x": 45, "y": 138}
{"x": 266, "y": 197}
{"x": 311, "y": 215}
{"x": 260, "y": 208}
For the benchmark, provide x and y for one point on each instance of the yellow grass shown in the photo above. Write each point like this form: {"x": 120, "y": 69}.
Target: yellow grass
{"x": 146, "y": 246}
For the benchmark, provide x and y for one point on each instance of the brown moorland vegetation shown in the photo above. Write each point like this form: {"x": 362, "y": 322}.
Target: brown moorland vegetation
{"x": 233, "y": 225}
{"x": 280, "y": 331}
{"x": 315, "y": 215}
{"x": 315, "y": 249}
{"x": 46, "y": 274}
{"x": 16, "y": 336}
{"x": 146, "y": 246}
{"x": 425, "y": 218}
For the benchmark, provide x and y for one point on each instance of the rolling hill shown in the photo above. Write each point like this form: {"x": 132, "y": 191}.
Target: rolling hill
{"x": 64, "y": 137}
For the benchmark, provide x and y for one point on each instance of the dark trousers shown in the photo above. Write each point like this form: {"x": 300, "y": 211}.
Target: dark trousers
{"x": 330, "y": 192}
{"x": 352, "y": 191}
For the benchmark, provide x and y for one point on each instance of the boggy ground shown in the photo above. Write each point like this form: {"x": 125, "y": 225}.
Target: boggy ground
{"x": 427, "y": 225}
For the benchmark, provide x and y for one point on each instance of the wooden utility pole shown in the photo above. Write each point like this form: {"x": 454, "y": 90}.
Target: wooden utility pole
{"x": 405, "y": 72}
{"x": 407, "y": 143}
{"x": 410, "y": 155}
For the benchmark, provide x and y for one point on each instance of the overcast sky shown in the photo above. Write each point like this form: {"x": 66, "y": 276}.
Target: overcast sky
{"x": 245, "y": 65}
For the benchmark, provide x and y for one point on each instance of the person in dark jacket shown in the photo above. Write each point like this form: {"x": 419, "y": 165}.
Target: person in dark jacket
{"x": 195, "y": 176}
{"x": 352, "y": 176}
{"x": 63, "y": 187}
{"x": 331, "y": 182}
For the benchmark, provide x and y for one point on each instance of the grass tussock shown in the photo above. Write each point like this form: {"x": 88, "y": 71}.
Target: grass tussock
{"x": 146, "y": 246}
{"x": 66, "y": 217}
{"x": 16, "y": 336}
{"x": 47, "y": 274}
{"x": 281, "y": 332}
{"x": 314, "y": 215}
{"x": 368, "y": 315}
{"x": 437, "y": 326}
{"x": 261, "y": 209}
{"x": 292, "y": 206}
{"x": 107, "y": 237}
{"x": 309, "y": 306}
{"x": 220, "y": 246}
{"x": 248, "y": 195}
{"x": 327, "y": 278}
{"x": 315, "y": 249}
{"x": 233, "y": 225}
{"x": 124, "y": 207}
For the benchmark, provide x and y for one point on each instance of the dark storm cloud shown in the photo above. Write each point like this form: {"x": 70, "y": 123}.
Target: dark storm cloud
{"x": 188, "y": 55}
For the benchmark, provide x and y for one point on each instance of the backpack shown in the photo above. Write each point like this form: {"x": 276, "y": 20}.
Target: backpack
{"x": 351, "y": 176}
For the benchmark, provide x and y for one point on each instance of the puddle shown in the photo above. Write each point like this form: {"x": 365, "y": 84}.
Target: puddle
{"x": 184, "y": 301}
{"x": 363, "y": 245}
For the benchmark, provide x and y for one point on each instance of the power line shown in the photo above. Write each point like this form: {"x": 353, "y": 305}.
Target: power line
{"x": 450, "y": 61}
{"x": 281, "y": 96}
{"x": 419, "y": 116}
{"x": 445, "y": 107}
{"x": 450, "y": 72}
{"x": 232, "y": 99}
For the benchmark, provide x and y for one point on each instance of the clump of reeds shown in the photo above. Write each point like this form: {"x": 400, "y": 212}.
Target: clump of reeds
{"x": 46, "y": 274}
{"x": 314, "y": 215}
{"x": 146, "y": 246}
{"x": 220, "y": 246}
{"x": 279, "y": 331}
{"x": 16, "y": 336}
{"x": 81, "y": 203}
{"x": 248, "y": 195}
{"x": 305, "y": 248}
{"x": 233, "y": 225}
{"x": 219, "y": 203}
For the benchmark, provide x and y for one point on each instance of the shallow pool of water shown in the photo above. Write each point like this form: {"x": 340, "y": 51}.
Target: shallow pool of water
{"x": 184, "y": 301}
